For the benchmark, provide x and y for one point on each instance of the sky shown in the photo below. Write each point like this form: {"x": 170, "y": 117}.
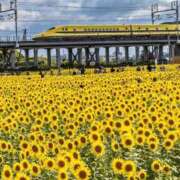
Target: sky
{"x": 39, "y": 15}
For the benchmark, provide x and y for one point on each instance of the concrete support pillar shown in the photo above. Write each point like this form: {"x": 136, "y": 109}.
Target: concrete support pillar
{"x": 87, "y": 55}
{"x": 146, "y": 53}
{"x": 170, "y": 52}
{"x": 4, "y": 51}
{"x": 26, "y": 55}
{"x": 58, "y": 58}
{"x": 107, "y": 56}
{"x": 70, "y": 56}
{"x": 137, "y": 53}
{"x": 117, "y": 55}
{"x": 126, "y": 53}
{"x": 79, "y": 56}
{"x": 173, "y": 52}
{"x": 36, "y": 57}
{"x": 176, "y": 58}
{"x": 156, "y": 54}
{"x": 49, "y": 57}
{"x": 13, "y": 58}
{"x": 97, "y": 56}
{"x": 160, "y": 52}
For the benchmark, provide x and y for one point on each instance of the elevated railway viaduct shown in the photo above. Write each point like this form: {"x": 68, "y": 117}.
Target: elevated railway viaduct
{"x": 78, "y": 38}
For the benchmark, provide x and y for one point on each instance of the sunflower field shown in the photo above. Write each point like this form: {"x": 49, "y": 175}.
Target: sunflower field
{"x": 112, "y": 126}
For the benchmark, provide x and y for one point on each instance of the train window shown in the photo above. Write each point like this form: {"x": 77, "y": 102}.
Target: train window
{"x": 66, "y": 29}
{"x": 74, "y": 30}
{"x": 139, "y": 28}
{"x": 167, "y": 29}
{"x": 51, "y": 28}
{"x": 126, "y": 28}
{"x": 157, "y": 29}
{"x": 147, "y": 29}
{"x": 117, "y": 29}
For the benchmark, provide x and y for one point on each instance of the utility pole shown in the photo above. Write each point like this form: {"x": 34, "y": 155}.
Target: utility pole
{"x": 13, "y": 8}
{"x": 177, "y": 18}
{"x": 16, "y": 22}
{"x": 172, "y": 12}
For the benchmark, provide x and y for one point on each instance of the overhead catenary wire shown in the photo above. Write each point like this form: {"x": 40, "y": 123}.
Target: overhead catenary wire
{"x": 30, "y": 4}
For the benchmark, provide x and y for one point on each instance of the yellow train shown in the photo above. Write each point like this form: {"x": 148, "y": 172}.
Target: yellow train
{"x": 78, "y": 31}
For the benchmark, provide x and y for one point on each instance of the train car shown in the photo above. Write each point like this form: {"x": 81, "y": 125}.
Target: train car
{"x": 95, "y": 31}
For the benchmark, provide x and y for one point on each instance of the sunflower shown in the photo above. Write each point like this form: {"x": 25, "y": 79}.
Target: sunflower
{"x": 61, "y": 163}
{"x": 94, "y": 136}
{"x": 108, "y": 114}
{"x": 172, "y": 135}
{"x": 25, "y": 165}
{"x": 69, "y": 145}
{"x": 117, "y": 165}
{"x": 129, "y": 167}
{"x": 6, "y": 173}
{"x": 128, "y": 141}
{"x": 24, "y": 145}
{"x": 75, "y": 165}
{"x": 132, "y": 177}
{"x": 168, "y": 144}
{"x": 89, "y": 117}
{"x": 82, "y": 140}
{"x": 22, "y": 176}
{"x": 118, "y": 125}
{"x": 61, "y": 141}
{"x": 62, "y": 175}
{"x": 17, "y": 167}
{"x": 115, "y": 146}
{"x": 140, "y": 140}
{"x": 166, "y": 169}
{"x": 35, "y": 149}
{"x": 108, "y": 129}
{"x": 142, "y": 174}
{"x": 75, "y": 155}
{"x": 153, "y": 146}
{"x": 83, "y": 173}
{"x": 3, "y": 146}
{"x": 35, "y": 170}
{"x": 98, "y": 149}
{"x": 156, "y": 166}
{"x": 49, "y": 164}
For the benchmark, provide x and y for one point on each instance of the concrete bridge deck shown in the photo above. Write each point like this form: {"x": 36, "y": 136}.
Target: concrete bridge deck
{"x": 86, "y": 44}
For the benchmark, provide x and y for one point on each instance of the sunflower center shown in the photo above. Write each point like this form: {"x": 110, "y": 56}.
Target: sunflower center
{"x": 128, "y": 168}
{"x": 82, "y": 174}
{"x": 98, "y": 149}
{"x": 119, "y": 165}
